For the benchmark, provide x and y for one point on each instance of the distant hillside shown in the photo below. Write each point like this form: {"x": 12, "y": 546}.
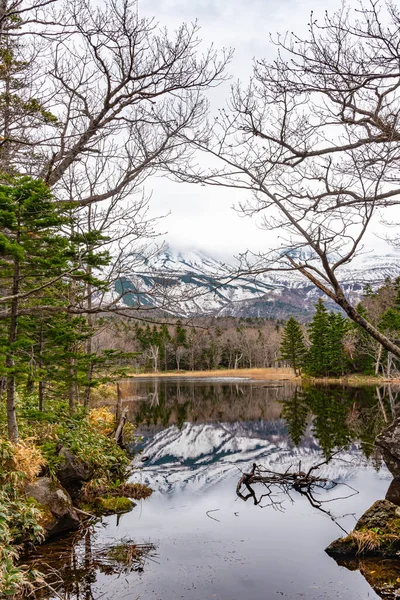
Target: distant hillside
{"x": 193, "y": 280}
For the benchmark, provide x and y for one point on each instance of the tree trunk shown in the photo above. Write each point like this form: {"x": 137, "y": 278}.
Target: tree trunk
{"x": 40, "y": 365}
{"x": 41, "y": 395}
{"x": 10, "y": 362}
{"x": 118, "y": 412}
{"x": 89, "y": 344}
{"x": 378, "y": 360}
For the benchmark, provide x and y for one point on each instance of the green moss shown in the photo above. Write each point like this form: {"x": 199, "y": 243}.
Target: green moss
{"x": 137, "y": 491}
{"x": 110, "y": 505}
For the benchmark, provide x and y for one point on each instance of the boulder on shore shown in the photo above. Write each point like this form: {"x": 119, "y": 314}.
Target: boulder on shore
{"x": 393, "y": 493}
{"x": 59, "y": 514}
{"x": 377, "y": 533}
{"x": 388, "y": 441}
{"x": 72, "y": 472}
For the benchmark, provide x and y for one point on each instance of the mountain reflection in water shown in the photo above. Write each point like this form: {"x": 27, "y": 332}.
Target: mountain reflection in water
{"x": 197, "y": 436}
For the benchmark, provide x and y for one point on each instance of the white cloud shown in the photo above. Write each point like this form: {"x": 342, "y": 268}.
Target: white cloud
{"x": 202, "y": 217}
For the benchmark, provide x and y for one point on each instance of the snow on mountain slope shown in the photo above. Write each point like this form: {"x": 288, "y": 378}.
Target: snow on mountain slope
{"x": 200, "y": 455}
{"x": 193, "y": 283}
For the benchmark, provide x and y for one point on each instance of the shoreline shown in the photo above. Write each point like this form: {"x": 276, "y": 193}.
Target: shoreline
{"x": 270, "y": 374}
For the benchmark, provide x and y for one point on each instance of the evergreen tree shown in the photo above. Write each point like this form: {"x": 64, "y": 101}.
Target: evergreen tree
{"x": 338, "y": 362}
{"x": 365, "y": 346}
{"x": 318, "y": 355}
{"x": 33, "y": 252}
{"x": 327, "y": 355}
{"x": 293, "y": 348}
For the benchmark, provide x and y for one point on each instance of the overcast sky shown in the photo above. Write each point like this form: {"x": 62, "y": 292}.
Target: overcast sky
{"x": 202, "y": 217}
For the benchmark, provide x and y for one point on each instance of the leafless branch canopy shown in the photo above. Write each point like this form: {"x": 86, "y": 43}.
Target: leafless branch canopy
{"x": 314, "y": 141}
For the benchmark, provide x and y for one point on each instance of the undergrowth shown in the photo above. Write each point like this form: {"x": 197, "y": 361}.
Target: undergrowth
{"x": 86, "y": 435}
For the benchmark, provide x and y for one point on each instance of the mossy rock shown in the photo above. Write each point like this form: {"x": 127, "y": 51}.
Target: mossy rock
{"x": 111, "y": 505}
{"x": 377, "y": 533}
{"x": 55, "y": 504}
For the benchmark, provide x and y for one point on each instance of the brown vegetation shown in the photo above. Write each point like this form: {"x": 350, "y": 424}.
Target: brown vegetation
{"x": 259, "y": 374}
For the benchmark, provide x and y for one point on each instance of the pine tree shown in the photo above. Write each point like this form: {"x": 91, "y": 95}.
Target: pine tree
{"x": 337, "y": 357}
{"x": 293, "y": 348}
{"x": 318, "y": 361}
{"x": 32, "y": 253}
{"x": 365, "y": 347}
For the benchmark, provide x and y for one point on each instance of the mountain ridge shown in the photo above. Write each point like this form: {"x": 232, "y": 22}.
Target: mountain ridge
{"x": 199, "y": 284}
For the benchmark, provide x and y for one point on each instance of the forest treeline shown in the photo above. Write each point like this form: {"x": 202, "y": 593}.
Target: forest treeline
{"x": 332, "y": 345}
{"x": 194, "y": 345}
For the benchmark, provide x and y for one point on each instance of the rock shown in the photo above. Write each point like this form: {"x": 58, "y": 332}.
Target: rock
{"x": 72, "y": 472}
{"x": 342, "y": 548}
{"x": 389, "y": 443}
{"x": 393, "y": 493}
{"x": 58, "y": 512}
{"x": 378, "y": 515}
{"x": 115, "y": 505}
{"x": 377, "y": 533}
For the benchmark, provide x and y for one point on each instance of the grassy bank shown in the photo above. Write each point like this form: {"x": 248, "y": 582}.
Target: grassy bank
{"x": 353, "y": 380}
{"x": 89, "y": 436}
{"x": 270, "y": 374}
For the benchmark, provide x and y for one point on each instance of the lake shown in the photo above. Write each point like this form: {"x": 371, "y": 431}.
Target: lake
{"x": 196, "y": 538}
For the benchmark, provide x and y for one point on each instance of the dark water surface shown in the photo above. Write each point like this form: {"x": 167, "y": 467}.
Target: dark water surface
{"x": 198, "y": 437}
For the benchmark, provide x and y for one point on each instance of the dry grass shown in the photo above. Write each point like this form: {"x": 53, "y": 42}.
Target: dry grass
{"x": 269, "y": 374}
{"x": 366, "y": 541}
{"x": 279, "y": 374}
{"x": 27, "y": 459}
{"x": 102, "y": 420}
{"x": 353, "y": 380}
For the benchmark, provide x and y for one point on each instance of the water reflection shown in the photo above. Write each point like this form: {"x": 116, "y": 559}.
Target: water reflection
{"x": 72, "y": 565}
{"x": 197, "y": 436}
{"x": 158, "y": 403}
{"x": 335, "y": 415}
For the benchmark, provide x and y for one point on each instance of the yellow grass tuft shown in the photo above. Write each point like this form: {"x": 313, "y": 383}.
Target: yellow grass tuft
{"x": 366, "y": 541}
{"x": 102, "y": 420}
{"x": 27, "y": 459}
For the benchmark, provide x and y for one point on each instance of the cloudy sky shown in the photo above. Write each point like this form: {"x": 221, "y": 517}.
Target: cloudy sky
{"x": 202, "y": 217}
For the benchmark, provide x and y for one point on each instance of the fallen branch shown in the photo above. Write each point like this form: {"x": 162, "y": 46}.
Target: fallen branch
{"x": 273, "y": 482}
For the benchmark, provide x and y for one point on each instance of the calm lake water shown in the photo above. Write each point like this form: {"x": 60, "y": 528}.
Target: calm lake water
{"x": 201, "y": 540}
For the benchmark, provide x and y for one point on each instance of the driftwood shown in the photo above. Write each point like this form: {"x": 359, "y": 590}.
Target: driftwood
{"x": 120, "y": 428}
{"x": 274, "y": 483}
{"x": 118, "y": 410}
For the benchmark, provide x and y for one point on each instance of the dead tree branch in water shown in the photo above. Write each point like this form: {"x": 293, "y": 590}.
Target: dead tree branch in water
{"x": 307, "y": 484}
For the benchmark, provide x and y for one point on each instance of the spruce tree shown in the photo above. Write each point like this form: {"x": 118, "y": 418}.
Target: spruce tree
{"x": 338, "y": 362}
{"x": 293, "y": 348}
{"x": 32, "y": 252}
{"x": 364, "y": 347}
{"x": 318, "y": 355}
{"x": 327, "y": 355}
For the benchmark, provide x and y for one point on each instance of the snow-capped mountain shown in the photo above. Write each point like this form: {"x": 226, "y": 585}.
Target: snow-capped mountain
{"x": 193, "y": 283}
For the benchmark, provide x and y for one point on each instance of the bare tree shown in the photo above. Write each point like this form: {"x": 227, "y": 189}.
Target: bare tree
{"x": 315, "y": 139}
{"x": 104, "y": 102}
{"x": 93, "y": 101}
